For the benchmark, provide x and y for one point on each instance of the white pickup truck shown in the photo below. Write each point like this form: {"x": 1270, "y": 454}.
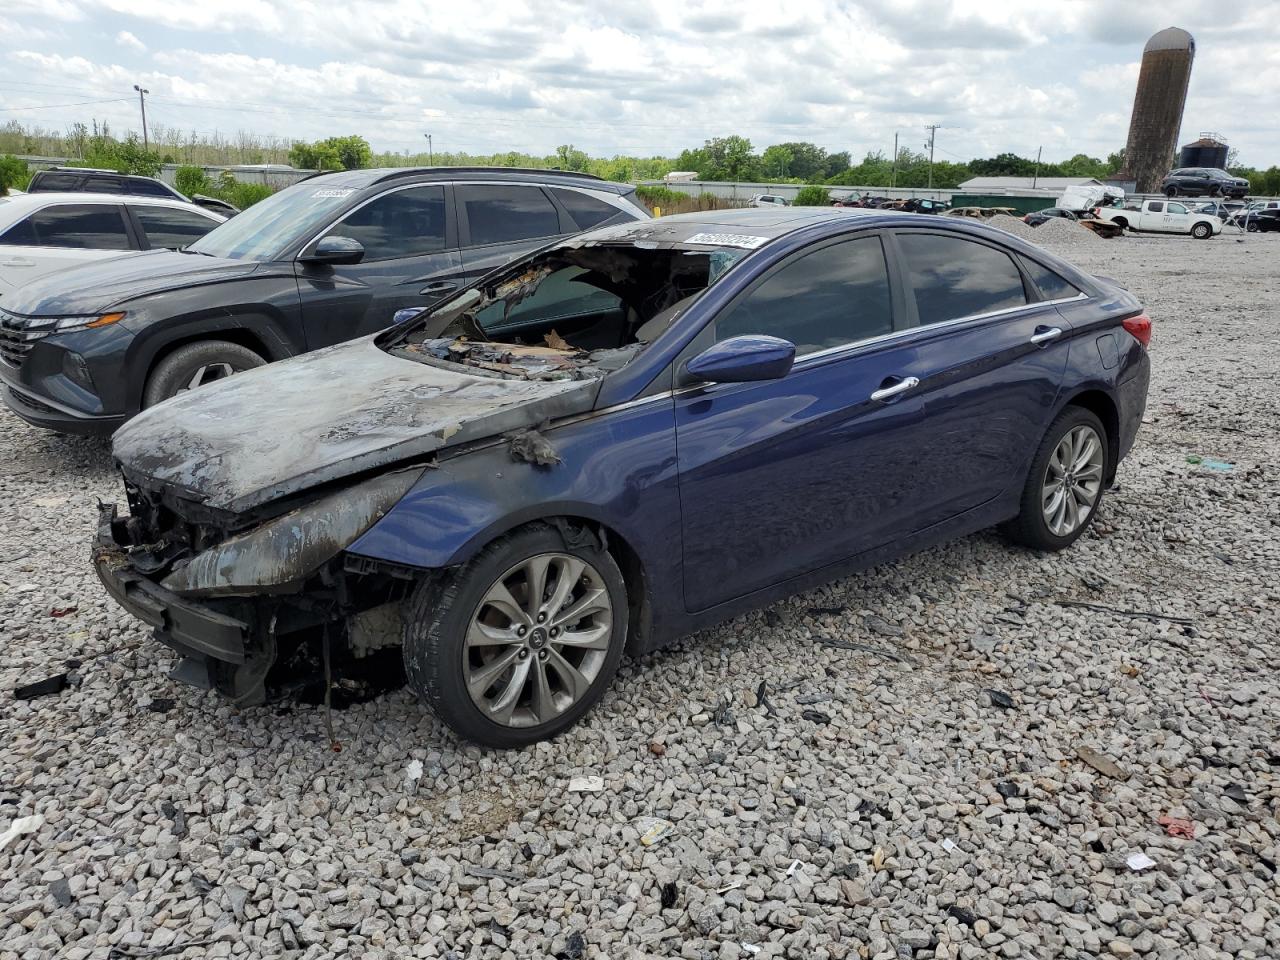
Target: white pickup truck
{"x": 1161, "y": 216}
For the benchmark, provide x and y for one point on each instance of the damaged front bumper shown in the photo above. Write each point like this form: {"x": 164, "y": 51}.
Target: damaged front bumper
{"x": 214, "y": 640}
{"x": 222, "y": 603}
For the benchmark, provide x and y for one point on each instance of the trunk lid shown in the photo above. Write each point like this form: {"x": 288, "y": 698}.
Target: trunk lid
{"x": 285, "y": 427}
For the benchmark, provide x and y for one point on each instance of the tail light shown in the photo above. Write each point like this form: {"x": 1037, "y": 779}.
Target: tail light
{"x": 1139, "y": 328}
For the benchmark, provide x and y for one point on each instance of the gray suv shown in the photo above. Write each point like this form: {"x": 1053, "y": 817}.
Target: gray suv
{"x": 1203, "y": 182}
{"x": 328, "y": 259}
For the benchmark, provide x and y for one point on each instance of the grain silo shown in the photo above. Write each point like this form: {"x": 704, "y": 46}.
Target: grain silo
{"x": 1157, "y": 107}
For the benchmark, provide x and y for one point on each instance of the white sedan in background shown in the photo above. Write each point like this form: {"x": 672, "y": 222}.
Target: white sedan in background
{"x": 43, "y": 232}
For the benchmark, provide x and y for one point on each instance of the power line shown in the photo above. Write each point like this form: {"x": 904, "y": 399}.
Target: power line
{"x": 57, "y": 106}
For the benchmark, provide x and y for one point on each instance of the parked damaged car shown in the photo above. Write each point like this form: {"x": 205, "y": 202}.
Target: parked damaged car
{"x": 621, "y": 438}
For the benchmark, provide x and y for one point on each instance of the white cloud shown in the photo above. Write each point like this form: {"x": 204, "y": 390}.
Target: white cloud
{"x": 654, "y": 77}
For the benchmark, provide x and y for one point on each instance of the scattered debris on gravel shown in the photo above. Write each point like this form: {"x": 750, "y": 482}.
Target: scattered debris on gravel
{"x": 830, "y": 784}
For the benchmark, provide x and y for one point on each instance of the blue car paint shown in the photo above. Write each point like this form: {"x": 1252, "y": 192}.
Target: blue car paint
{"x": 743, "y": 359}
{"x": 733, "y": 495}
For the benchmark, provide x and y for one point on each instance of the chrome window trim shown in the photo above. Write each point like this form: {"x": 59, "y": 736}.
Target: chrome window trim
{"x": 944, "y": 325}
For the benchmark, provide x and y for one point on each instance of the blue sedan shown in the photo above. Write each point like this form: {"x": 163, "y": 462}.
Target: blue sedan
{"x": 616, "y": 440}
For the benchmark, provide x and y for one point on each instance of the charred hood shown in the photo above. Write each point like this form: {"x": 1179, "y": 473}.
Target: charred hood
{"x": 96, "y": 287}
{"x": 287, "y": 427}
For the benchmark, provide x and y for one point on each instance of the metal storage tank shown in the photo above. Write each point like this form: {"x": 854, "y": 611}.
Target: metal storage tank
{"x": 1157, "y": 107}
{"x": 1209, "y": 151}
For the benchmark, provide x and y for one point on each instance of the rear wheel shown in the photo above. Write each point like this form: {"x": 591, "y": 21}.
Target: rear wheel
{"x": 1170, "y": 191}
{"x": 520, "y": 642}
{"x": 1202, "y": 231}
{"x": 1064, "y": 487}
{"x": 1251, "y": 226}
{"x": 195, "y": 365}
{"x": 1120, "y": 222}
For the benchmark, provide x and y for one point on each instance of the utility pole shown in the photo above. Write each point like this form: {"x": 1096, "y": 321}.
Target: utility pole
{"x": 893, "y": 177}
{"x": 431, "y": 158}
{"x": 932, "y": 128}
{"x": 143, "y": 104}
{"x": 1036, "y": 177}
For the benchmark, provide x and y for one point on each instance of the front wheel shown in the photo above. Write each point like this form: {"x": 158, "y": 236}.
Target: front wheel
{"x": 1171, "y": 191}
{"x": 1202, "y": 231}
{"x": 195, "y": 365}
{"x": 1063, "y": 489}
{"x": 517, "y": 644}
{"x": 1251, "y": 226}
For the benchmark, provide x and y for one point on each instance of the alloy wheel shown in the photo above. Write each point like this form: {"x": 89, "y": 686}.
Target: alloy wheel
{"x": 537, "y": 640}
{"x": 208, "y": 373}
{"x": 1072, "y": 481}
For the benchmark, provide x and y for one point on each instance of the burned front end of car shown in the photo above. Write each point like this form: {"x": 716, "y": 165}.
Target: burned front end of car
{"x": 231, "y": 594}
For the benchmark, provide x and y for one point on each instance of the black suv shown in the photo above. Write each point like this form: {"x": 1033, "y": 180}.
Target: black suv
{"x": 1203, "y": 181}
{"x": 328, "y": 259}
{"x": 92, "y": 180}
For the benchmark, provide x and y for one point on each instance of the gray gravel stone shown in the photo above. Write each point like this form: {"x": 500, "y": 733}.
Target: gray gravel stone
{"x": 288, "y": 847}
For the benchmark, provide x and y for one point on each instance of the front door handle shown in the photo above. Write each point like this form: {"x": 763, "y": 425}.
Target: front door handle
{"x": 891, "y": 391}
{"x": 1045, "y": 335}
{"x": 439, "y": 286}
{"x": 17, "y": 262}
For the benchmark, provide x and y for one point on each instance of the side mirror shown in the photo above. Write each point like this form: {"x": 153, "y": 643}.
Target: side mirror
{"x": 743, "y": 359}
{"x": 334, "y": 250}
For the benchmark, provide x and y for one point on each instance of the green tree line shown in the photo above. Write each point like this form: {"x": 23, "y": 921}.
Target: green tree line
{"x": 731, "y": 158}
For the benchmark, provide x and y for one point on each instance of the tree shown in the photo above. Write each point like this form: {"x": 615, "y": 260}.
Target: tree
{"x": 571, "y": 158}
{"x": 730, "y": 158}
{"x": 13, "y": 173}
{"x": 335, "y": 153}
{"x": 776, "y": 162}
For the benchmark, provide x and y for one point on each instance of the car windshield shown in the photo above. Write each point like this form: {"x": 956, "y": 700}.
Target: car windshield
{"x": 267, "y": 229}
{"x": 570, "y": 313}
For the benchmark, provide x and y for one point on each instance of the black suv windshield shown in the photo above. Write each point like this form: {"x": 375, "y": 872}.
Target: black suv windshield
{"x": 267, "y": 229}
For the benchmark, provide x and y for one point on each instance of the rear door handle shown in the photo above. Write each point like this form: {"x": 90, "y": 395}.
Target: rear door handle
{"x": 17, "y": 262}
{"x": 1045, "y": 335}
{"x": 439, "y": 286}
{"x": 891, "y": 391}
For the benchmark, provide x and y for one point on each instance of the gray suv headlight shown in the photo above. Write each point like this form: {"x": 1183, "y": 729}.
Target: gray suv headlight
{"x": 284, "y": 551}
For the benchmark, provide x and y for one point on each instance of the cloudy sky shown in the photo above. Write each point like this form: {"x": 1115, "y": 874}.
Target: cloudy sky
{"x": 641, "y": 77}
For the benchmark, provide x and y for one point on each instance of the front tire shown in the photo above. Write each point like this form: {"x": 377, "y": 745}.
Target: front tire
{"x": 1251, "y": 226}
{"x": 196, "y": 364}
{"x": 1202, "y": 231}
{"x": 520, "y": 642}
{"x": 1171, "y": 191}
{"x": 1064, "y": 487}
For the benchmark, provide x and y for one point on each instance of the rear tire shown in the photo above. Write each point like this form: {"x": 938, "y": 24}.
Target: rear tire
{"x": 1202, "y": 231}
{"x": 499, "y": 667}
{"x": 1121, "y": 222}
{"x": 1251, "y": 226}
{"x": 1064, "y": 486}
{"x": 1171, "y": 191}
{"x": 196, "y": 364}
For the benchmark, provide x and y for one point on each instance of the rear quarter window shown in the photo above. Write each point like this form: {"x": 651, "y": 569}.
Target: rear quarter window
{"x": 587, "y": 211}
{"x": 1048, "y": 282}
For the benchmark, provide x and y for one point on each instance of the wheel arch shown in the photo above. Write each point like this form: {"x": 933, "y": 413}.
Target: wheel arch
{"x": 1103, "y": 406}
{"x": 258, "y": 332}
{"x": 572, "y": 523}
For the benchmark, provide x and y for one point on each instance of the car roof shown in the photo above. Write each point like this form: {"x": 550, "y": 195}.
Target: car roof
{"x": 17, "y": 206}
{"x": 359, "y": 179}
{"x": 758, "y": 221}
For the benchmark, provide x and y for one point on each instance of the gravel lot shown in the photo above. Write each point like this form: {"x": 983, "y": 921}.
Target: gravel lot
{"x": 888, "y": 805}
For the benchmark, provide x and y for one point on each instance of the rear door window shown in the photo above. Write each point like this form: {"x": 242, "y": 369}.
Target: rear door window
{"x": 587, "y": 211}
{"x": 954, "y": 278}
{"x": 1156, "y": 206}
{"x": 836, "y": 295}
{"x": 502, "y": 213}
{"x": 102, "y": 185}
{"x": 142, "y": 187}
{"x": 83, "y": 226}
{"x": 403, "y": 223}
{"x": 170, "y": 227}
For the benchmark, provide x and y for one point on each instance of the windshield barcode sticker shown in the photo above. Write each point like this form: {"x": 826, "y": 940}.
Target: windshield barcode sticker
{"x": 331, "y": 194}
{"x": 728, "y": 240}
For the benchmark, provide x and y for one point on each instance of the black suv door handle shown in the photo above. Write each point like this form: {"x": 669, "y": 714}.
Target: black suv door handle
{"x": 439, "y": 286}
